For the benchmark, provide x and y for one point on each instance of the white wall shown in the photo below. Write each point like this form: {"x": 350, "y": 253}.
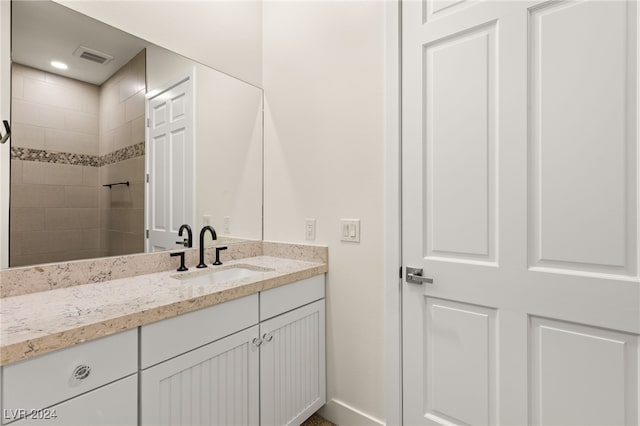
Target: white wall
{"x": 224, "y": 34}
{"x": 228, "y": 143}
{"x": 323, "y": 80}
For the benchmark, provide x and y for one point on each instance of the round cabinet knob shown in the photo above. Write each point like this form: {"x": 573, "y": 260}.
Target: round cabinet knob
{"x": 81, "y": 372}
{"x": 267, "y": 337}
{"x": 256, "y": 341}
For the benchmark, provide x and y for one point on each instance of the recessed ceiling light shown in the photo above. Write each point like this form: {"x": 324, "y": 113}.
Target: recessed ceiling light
{"x": 59, "y": 65}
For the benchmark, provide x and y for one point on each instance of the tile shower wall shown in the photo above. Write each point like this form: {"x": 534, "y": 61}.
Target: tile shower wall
{"x": 54, "y": 197}
{"x": 122, "y": 155}
{"x": 69, "y": 139}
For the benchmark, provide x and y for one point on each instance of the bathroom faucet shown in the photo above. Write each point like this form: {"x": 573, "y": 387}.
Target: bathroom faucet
{"x": 202, "y": 232}
{"x": 187, "y": 242}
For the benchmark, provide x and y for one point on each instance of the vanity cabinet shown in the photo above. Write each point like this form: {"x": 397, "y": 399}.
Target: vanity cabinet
{"x": 93, "y": 383}
{"x": 271, "y": 372}
{"x": 292, "y": 365}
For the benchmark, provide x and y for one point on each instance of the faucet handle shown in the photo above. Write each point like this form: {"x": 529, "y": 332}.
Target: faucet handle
{"x": 181, "y": 254}
{"x": 184, "y": 242}
{"x": 218, "y": 250}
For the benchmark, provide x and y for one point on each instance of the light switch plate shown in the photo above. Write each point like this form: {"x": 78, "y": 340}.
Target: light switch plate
{"x": 310, "y": 229}
{"x": 350, "y": 230}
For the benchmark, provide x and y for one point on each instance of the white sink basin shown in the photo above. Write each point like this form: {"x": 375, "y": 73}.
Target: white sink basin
{"x": 217, "y": 276}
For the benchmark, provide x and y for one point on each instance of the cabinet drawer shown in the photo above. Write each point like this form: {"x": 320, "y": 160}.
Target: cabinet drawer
{"x": 287, "y": 297}
{"x": 168, "y": 338}
{"x": 48, "y": 379}
{"x": 112, "y": 405}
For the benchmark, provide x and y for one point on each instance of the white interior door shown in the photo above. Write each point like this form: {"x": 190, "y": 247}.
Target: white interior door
{"x": 170, "y": 163}
{"x": 520, "y": 200}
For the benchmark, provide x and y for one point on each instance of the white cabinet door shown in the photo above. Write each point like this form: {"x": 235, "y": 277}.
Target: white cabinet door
{"x": 216, "y": 384}
{"x": 111, "y": 405}
{"x": 520, "y": 200}
{"x": 292, "y": 366}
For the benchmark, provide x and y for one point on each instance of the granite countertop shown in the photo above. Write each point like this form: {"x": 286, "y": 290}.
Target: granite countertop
{"x": 37, "y": 323}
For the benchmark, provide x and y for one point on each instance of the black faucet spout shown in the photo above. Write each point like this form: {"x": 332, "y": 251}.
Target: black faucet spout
{"x": 188, "y": 242}
{"x": 214, "y": 236}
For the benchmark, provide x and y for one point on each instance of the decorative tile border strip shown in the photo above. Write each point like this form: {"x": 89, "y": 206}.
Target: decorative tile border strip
{"x": 44, "y": 156}
{"x": 41, "y": 155}
{"x": 122, "y": 154}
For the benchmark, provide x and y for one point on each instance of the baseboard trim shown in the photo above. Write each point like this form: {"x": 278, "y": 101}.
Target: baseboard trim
{"x": 344, "y": 415}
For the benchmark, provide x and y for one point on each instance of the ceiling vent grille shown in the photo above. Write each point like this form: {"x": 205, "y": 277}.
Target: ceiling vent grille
{"x": 93, "y": 55}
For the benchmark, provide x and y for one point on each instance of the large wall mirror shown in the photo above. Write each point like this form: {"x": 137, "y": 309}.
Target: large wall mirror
{"x": 116, "y": 142}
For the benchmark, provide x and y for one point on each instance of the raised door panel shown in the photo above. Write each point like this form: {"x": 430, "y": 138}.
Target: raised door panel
{"x": 216, "y": 384}
{"x": 292, "y": 366}
{"x": 460, "y": 363}
{"x": 582, "y": 375}
{"x": 583, "y": 136}
{"x": 460, "y": 146}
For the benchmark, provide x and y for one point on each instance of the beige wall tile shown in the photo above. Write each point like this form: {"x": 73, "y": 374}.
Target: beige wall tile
{"x": 62, "y": 92}
{"x": 105, "y": 218}
{"x": 137, "y": 195}
{"x": 128, "y": 85}
{"x": 50, "y": 117}
{"x": 107, "y": 141}
{"x": 26, "y": 219}
{"x": 137, "y": 130}
{"x": 51, "y": 173}
{"x": 132, "y": 243}
{"x": 104, "y": 242}
{"x": 71, "y": 218}
{"x": 16, "y": 171}
{"x": 137, "y": 221}
{"x": 122, "y": 136}
{"x": 68, "y": 141}
{"x": 23, "y": 112}
{"x": 91, "y": 239}
{"x": 15, "y": 244}
{"x": 119, "y": 220}
{"x": 81, "y": 196}
{"x": 17, "y": 86}
{"x": 134, "y": 106}
{"x": 115, "y": 116}
{"x": 104, "y": 197}
{"x": 80, "y": 122}
{"x": 41, "y": 92}
{"x": 49, "y": 242}
{"x": 137, "y": 169}
{"x": 25, "y": 195}
{"x": 121, "y": 198}
{"x": 90, "y": 176}
{"x": 114, "y": 243}
{"x": 27, "y": 72}
{"x": 109, "y": 95}
{"x": 27, "y": 136}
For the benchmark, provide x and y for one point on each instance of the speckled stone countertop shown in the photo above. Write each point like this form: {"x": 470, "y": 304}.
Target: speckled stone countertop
{"x": 37, "y": 323}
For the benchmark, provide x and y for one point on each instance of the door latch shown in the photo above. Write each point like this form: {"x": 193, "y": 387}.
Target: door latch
{"x": 414, "y": 276}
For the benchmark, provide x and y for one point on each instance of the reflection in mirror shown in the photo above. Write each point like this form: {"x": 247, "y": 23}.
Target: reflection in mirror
{"x": 79, "y": 130}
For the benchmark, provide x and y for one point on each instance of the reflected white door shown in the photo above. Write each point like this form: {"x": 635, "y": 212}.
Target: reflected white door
{"x": 170, "y": 164}
{"x": 520, "y": 200}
